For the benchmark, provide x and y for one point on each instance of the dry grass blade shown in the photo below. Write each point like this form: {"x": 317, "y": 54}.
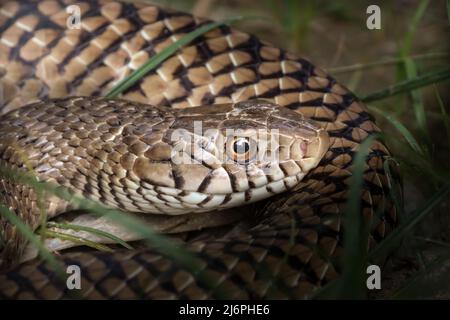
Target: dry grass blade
{"x": 94, "y": 231}
{"x": 77, "y": 240}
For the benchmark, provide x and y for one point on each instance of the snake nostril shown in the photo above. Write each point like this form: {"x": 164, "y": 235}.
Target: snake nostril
{"x": 298, "y": 150}
{"x": 303, "y": 147}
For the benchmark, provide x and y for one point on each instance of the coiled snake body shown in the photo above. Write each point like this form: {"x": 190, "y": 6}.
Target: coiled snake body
{"x": 119, "y": 152}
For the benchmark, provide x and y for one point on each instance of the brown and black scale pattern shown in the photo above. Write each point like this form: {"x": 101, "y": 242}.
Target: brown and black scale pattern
{"x": 259, "y": 70}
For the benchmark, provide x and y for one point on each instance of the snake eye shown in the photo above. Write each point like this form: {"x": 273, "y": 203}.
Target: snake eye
{"x": 240, "y": 150}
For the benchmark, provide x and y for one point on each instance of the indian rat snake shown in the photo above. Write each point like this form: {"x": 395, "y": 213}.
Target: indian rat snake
{"x": 119, "y": 152}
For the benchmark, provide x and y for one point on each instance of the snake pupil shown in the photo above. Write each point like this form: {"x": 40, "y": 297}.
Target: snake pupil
{"x": 241, "y": 146}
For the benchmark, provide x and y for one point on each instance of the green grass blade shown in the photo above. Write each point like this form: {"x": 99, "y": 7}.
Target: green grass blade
{"x": 29, "y": 235}
{"x": 154, "y": 62}
{"x": 351, "y": 284}
{"x": 409, "y": 223}
{"x": 387, "y": 62}
{"x": 448, "y": 12}
{"x": 439, "y": 243}
{"x": 417, "y": 101}
{"x": 356, "y": 231}
{"x": 408, "y": 71}
{"x": 78, "y": 240}
{"x": 406, "y": 86}
{"x": 407, "y": 43}
{"x": 445, "y": 119}
{"x": 2, "y": 242}
{"x": 94, "y": 231}
{"x": 395, "y": 190}
{"x": 40, "y": 194}
{"x": 402, "y": 129}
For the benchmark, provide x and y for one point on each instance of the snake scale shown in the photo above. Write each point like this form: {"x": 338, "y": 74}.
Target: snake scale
{"x": 104, "y": 148}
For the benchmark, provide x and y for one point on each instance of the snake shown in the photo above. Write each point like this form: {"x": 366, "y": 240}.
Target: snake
{"x": 261, "y": 226}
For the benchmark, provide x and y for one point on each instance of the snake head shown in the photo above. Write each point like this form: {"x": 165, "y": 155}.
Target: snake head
{"x": 233, "y": 154}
